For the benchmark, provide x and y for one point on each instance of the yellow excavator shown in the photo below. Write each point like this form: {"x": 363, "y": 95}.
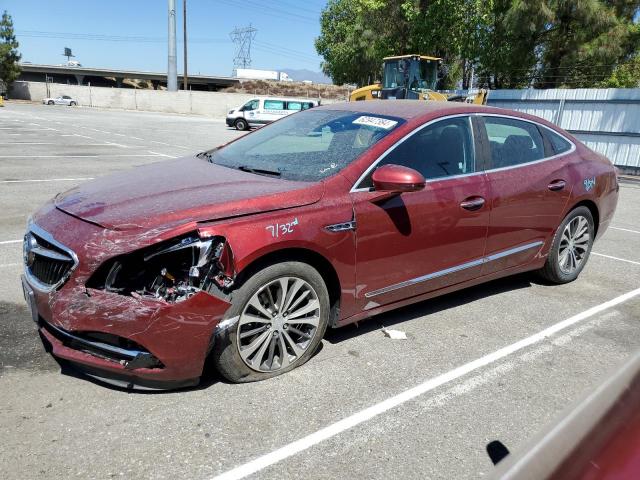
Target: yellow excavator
{"x": 412, "y": 77}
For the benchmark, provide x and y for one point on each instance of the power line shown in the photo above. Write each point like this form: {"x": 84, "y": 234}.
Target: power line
{"x": 110, "y": 38}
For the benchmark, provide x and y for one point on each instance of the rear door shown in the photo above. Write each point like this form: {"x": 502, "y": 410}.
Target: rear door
{"x": 417, "y": 242}
{"x": 530, "y": 188}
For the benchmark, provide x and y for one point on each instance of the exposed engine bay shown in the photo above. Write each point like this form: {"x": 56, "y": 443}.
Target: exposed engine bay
{"x": 171, "y": 271}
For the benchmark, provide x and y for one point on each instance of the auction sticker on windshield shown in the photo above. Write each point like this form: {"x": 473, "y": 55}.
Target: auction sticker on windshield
{"x": 377, "y": 122}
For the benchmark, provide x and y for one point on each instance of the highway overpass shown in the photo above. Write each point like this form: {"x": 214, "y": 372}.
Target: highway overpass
{"x": 115, "y": 78}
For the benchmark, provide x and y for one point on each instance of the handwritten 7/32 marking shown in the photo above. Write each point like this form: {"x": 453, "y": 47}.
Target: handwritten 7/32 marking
{"x": 282, "y": 228}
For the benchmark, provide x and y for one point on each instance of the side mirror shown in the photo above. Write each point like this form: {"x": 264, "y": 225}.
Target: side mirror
{"x": 396, "y": 178}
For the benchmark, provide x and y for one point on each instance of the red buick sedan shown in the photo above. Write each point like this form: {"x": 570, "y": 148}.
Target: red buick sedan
{"x": 247, "y": 253}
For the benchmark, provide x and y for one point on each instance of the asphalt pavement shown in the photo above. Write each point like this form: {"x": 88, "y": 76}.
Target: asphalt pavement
{"x": 490, "y": 362}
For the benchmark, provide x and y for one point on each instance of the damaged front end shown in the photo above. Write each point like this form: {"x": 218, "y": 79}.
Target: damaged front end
{"x": 171, "y": 271}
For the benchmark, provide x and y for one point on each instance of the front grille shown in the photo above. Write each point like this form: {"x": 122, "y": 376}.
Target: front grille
{"x": 47, "y": 261}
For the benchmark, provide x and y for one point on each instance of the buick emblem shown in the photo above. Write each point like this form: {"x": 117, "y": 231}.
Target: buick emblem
{"x": 28, "y": 246}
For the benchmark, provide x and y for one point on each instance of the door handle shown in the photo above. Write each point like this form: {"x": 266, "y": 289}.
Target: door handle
{"x": 472, "y": 203}
{"x": 557, "y": 185}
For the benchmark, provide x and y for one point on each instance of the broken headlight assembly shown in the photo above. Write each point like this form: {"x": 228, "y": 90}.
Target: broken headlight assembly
{"x": 171, "y": 271}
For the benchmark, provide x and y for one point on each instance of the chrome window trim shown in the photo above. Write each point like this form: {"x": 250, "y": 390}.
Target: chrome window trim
{"x": 469, "y": 115}
{"x": 33, "y": 281}
{"x": 457, "y": 268}
{"x": 406, "y": 137}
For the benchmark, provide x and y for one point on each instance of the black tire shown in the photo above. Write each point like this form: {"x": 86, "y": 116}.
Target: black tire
{"x": 241, "y": 124}
{"x": 552, "y": 270}
{"x": 50, "y": 102}
{"x": 225, "y": 353}
{"x": 72, "y": 104}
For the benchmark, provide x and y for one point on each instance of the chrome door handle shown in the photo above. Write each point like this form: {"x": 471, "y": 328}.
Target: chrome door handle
{"x": 472, "y": 203}
{"x": 557, "y": 185}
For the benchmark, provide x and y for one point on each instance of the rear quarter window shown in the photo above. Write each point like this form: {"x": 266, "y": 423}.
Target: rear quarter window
{"x": 559, "y": 144}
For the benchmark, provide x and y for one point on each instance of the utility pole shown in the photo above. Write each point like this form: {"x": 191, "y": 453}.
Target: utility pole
{"x": 172, "y": 69}
{"x": 184, "y": 28}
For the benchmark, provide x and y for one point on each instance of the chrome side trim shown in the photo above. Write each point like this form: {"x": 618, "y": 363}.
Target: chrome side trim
{"x": 33, "y": 281}
{"x": 458, "y": 268}
{"x": 342, "y": 227}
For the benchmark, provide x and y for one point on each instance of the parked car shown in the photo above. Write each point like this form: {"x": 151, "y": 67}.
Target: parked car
{"x": 247, "y": 253}
{"x": 61, "y": 100}
{"x": 261, "y": 111}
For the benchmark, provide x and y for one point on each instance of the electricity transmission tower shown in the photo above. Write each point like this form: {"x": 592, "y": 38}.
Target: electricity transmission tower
{"x": 242, "y": 38}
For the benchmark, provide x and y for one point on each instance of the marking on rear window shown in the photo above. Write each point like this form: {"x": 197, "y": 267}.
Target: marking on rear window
{"x": 376, "y": 122}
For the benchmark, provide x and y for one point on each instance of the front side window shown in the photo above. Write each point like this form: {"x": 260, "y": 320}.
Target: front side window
{"x": 273, "y": 105}
{"x": 308, "y": 146}
{"x": 252, "y": 105}
{"x": 442, "y": 149}
{"x": 513, "y": 142}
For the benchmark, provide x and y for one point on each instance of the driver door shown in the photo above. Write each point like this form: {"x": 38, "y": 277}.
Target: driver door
{"x": 416, "y": 242}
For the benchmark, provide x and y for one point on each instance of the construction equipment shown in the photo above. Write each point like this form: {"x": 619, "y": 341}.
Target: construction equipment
{"x": 412, "y": 77}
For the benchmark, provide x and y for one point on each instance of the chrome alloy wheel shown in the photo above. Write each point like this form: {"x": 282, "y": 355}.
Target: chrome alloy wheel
{"x": 277, "y": 324}
{"x": 574, "y": 245}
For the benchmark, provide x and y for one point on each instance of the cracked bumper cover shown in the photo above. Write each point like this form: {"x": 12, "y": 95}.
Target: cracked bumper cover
{"x": 178, "y": 335}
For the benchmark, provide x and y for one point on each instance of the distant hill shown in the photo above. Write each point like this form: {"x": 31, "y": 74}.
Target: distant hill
{"x": 304, "y": 74}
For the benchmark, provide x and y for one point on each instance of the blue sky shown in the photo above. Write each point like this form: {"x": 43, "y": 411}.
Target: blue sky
{"x": 286, "y": 32}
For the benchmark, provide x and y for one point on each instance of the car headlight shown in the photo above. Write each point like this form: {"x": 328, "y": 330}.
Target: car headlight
{"x": 231, "y": 111}
{"x": 171, "y": 271}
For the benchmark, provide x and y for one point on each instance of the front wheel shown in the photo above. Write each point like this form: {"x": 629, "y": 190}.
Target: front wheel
{"x": 50, "y": 102}
{"x": 571, "y": 247}
{"x": 72, "y": 104}
{"x": 279, "y": 317}
{"x": 241, "y": 124}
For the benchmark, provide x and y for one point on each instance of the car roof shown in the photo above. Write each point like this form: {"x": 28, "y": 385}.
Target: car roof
{"x": 409, "y": 109}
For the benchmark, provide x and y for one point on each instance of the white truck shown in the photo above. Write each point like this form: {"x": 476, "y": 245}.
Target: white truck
{"x": 255, "y": 74}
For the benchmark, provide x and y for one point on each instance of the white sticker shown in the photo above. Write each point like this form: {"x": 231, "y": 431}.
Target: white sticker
{"x": 377, "y": 122}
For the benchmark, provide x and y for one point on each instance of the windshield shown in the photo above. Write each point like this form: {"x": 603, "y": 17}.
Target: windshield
{"x": 308, "y": 146}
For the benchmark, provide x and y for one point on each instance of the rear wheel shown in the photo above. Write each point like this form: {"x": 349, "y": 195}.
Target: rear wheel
{"x": 72, "y": 104}
{"x": 571, "y": 247}
{"x": 241, "y": 124}
{"x": 281, "y": 314}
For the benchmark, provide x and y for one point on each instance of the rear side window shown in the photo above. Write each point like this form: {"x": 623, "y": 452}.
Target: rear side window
{"x": 307, "y": 105}
{"x": 559, "y": 144}
{"x": 294, "y": 106}
{"x": 273, "y": 105}
{"x": 513, "y": 142}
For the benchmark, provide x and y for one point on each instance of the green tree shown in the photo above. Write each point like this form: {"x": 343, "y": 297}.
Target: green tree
{"x": 9, "y": 56}
{"x": 577, "y": 43}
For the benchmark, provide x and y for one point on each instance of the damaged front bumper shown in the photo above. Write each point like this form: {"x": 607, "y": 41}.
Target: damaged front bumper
{"x": 126, "y": 341}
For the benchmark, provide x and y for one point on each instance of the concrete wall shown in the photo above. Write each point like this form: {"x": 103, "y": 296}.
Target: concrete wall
{"x": 213, "y": 104}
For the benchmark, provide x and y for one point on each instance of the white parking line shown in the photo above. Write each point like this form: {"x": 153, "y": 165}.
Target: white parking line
{"x": 615, "y": 258}
{"x": 87, "y": 156}
{"x": 161, "y": 154}
{"x": 362, "y": 416}
{"x": 48, "y": 180}
{"x": 7, "y": 242}
{"x": 624, "y": 229}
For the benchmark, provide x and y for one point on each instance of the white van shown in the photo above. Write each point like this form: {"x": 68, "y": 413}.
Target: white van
{"x": 260, "y": 111}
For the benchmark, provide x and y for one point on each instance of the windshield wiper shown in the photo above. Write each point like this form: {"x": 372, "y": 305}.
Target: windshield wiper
{"x": 259, "y": 171}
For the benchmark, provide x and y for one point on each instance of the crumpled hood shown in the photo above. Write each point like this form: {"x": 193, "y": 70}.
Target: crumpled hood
{"x": 180, "y": 191}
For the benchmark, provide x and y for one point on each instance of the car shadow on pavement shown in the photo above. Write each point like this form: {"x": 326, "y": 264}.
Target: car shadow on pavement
{"x": 431, "y": 306}
{"x": 22, "y": 349}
